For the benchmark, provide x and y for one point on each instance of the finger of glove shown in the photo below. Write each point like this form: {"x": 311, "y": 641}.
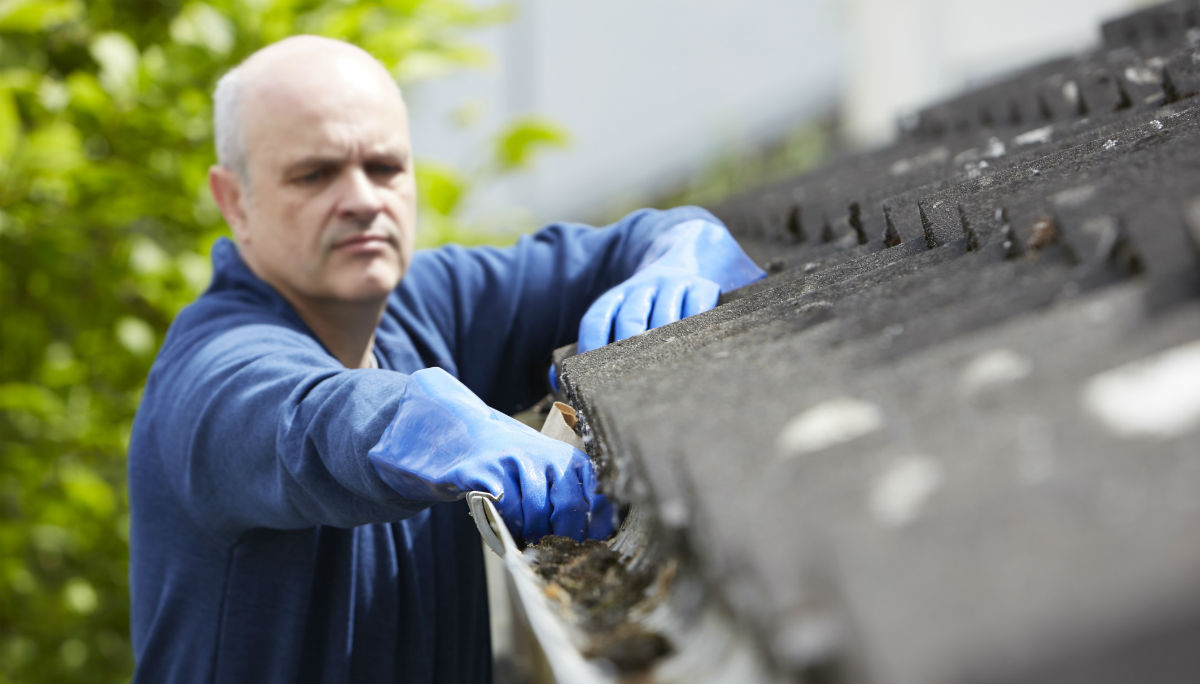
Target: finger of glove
{"x": 524, "y": 506}
{"x": 602, "y": 516}
{"x": 668, "y": 303}
{"x": 701, "y": 296}
{"x": 503, "y": 485}
{"x": 536, "y": 478}
{"x": 634, "y": 316}
{"x": 571, "y": 505}
{"x": 595, "y": 329}
{"x": 512, "y": 511}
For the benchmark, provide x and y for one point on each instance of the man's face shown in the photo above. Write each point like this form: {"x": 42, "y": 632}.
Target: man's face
{"x": 330, "y": 212}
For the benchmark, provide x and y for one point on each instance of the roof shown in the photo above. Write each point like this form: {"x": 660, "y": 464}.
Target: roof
{"x": 955, "y": 434}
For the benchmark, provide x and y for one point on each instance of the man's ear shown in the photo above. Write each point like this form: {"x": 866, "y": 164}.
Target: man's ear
{"x": 227, "y": 190}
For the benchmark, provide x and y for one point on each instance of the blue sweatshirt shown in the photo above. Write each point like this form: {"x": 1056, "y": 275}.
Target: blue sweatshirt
{"x": 264, "y": 546}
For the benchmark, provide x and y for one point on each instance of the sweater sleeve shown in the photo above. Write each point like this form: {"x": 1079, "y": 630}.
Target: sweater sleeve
{"x": 504, "y": 311}
{"x": 250, "y": 423}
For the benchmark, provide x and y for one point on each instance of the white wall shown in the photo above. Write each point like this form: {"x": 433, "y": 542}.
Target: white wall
{"x": 648, "y": 89}
{"x": 907, "y": 53}
{"x": 651, "y": 90}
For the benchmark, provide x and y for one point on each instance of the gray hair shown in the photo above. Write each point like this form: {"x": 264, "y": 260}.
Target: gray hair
{"x": 227, "y": 125}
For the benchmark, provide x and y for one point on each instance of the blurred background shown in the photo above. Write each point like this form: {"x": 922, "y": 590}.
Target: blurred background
{"x": 523, "y": 113}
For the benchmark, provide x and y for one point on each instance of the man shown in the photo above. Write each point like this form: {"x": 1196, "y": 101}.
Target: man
{"x": 311, "y": 421}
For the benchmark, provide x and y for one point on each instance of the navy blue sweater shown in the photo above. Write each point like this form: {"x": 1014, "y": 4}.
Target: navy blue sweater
{"x": 265, "y": 548}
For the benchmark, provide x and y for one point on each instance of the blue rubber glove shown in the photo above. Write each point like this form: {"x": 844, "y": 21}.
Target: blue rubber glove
{"x": 444, "y": 442}
{"x": 682, "y": 274}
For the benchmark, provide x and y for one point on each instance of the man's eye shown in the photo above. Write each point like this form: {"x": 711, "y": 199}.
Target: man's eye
{"x": 385, "y": 169}
{"x": 312, "y": 177}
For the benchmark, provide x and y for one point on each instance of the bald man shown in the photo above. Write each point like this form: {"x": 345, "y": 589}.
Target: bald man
{"x": 312, "y": 420}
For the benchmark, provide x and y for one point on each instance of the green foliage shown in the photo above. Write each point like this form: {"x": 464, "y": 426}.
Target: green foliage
{"x": 517, "y": 145}
{"x": 105, "y": 226}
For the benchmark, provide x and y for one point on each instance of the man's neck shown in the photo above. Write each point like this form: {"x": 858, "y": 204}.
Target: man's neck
{"x": 347, "y": 329}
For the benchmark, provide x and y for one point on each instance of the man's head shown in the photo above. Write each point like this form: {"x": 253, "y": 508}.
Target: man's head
{"x": 315, "y": 171}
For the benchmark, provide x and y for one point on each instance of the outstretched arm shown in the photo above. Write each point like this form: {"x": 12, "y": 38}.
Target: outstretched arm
{"x": 503, "y": 311}
{"x": 248, "y": 423}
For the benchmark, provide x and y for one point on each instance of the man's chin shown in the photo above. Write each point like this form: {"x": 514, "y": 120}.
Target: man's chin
{"x": 373, "y": 285}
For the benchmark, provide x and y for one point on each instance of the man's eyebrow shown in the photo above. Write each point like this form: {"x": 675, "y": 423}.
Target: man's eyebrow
{"x": 389, "y": 153}
{"x": 324, "y": 161}
{"x": 312, "y": 162}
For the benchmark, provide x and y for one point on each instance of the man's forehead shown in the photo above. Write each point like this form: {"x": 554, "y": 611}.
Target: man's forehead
{"x": 341, "y": 148}
{"x": 333, "y": 123}
{"x": 331, "y": 142}
{"x": 325, "y": 94}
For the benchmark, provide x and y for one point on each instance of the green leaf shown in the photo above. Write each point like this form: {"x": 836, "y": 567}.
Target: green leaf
{"x": 86, "y": 93}
{"x": 135, "y": 335}
{"x": 517, "y": 144}
{"x": 80, "y": 596}
{"x": 73, "y": 654}
{"x": 201, "y": 25}
{"x": 10, "y": 125}
{"x": 84, "y": 487}
{"x": 55, "y": 148}
{"x": 195, "y": 269}
{"x": 19, "y": 78}
{"x": 145, "y": 256}
{"x": 35, "y": 399}
{"x": 439, "y": 187}
{"x": 423, "y": 65}
{"x": 52, "y": 94}
{"x": 118, "y": 59}
{"x": 32, "y": 16}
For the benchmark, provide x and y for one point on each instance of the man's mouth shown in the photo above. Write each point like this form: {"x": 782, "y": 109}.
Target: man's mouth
{"x": 363, "y": 241}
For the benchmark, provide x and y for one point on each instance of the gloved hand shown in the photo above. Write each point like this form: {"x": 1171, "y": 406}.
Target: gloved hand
{"x": 444, "y": 442}
{"x": 682, "y": 274}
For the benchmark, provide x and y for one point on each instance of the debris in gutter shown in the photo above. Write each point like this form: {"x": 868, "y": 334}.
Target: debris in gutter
{"x": 589, "y": 581}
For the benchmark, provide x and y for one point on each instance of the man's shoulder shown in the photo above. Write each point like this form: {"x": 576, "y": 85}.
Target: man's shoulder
{"x": 226, "y": 325}
{"x": 215, "y": 311}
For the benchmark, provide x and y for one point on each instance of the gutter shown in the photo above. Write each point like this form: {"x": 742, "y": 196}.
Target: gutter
{"x": 616, "y": 610}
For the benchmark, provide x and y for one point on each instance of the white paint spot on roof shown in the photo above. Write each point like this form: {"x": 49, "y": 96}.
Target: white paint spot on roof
{"x": 831, "y": 422}
{"x": 1098, "y": 312}
{"x": 1073, "y": 197}
{"x": 967, "y": 156}
{"x": 810, "y": 639}
{"x": 674, "y": 512}
{"x": 898, "y": 496}
{"x": 1141, "y": 76}
{"x": 1037, "y": 135}
{"x": 937, "y": 155}
{"x": 993, "y": 369}
{"x": 975, "y": 170}
{"x": 1156, "y": 397}
{"x": 1070, "y": 91}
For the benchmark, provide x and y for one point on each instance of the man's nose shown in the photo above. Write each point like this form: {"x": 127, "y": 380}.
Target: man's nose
{"x": 361, "y": 199}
